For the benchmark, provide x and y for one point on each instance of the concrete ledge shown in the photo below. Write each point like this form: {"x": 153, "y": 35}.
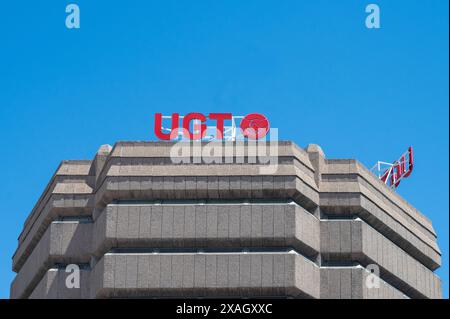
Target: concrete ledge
{"x": 63, "y": 242}
{"x": 60, "y": 185}
{"x": 162, "y": 149}
{"x": 207, "y": 188}
{"x": 57, "y": 206}
{"x": 341, "y": 169}
{"x": 353, "y": 204}
{"x": 52, "y": 286}
{"x": 350, "y": 283}
{"x": 70, "y": 172}
{"x": 358, "y": 186}
{"x": 151, "y": 152}
{"x": 190, "y": 225}
{"x": 354, "y": 240}
{"x": 205, "y": 275}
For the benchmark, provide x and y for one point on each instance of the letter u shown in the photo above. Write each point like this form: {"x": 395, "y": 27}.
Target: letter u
{"x": 173, "y": 132}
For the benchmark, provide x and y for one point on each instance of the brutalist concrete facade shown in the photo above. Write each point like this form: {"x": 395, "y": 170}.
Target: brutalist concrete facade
{"x": 140, "y": 225}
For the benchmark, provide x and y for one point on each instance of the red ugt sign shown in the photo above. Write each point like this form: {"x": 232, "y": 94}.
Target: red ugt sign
{"x": 253, "y": 126}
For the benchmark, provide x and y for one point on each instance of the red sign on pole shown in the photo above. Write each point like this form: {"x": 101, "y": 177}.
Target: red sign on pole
{"x": 400, "y": 169}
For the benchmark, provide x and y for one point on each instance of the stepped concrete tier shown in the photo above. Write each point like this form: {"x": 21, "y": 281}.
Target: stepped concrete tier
{"x": 140, "y": 221}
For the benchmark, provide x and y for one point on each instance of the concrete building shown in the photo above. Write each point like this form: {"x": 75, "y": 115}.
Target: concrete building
{"x": 139, "y": 225}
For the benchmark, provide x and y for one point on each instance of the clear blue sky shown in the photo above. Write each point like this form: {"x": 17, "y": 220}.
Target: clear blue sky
{"x": 311, "y": 66}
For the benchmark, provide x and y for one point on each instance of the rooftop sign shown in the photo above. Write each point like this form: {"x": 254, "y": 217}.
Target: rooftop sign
{"x": 395, "y": 172}
{"x": 223, "y": 126}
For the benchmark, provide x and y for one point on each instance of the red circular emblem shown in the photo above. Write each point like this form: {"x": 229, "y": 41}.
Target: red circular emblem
{"x": 255, "y": 126}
